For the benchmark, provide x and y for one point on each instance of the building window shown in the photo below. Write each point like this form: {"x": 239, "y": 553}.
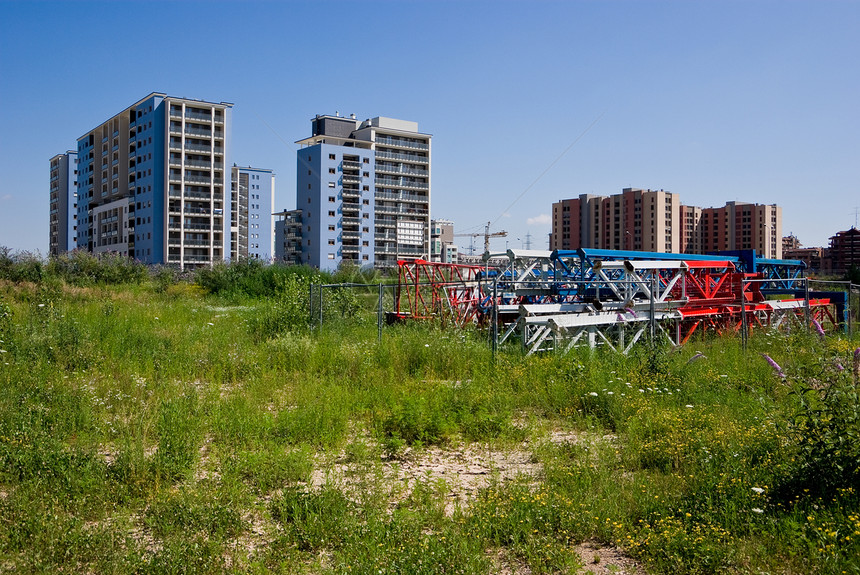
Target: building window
{"x": 366, "y": 160}
{"x": 331, "y": 198}
{"x": 331, "y": 256}
{"x": 331, "y": 242}
{"x": 331, "y": 228}
{"x": 331, "y": 157}
{"x": 331, "y": 170}
{"x": 331, "y": 213}
{"x": 331, "y": 184}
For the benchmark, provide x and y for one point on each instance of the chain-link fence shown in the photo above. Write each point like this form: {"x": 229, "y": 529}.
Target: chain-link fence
{"x": 846, "y": 298}
{"x": 352, "y": 301}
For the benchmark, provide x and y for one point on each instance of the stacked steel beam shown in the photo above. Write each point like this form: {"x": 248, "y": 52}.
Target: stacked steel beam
{"x": 561, "y": 299}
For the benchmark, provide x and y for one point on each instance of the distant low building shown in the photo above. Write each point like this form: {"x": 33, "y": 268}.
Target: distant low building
{"x": 812, "y": 257}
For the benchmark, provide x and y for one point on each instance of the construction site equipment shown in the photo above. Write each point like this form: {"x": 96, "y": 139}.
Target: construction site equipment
{"x": 562, "y": 299}
{"x": 487, "y": 235}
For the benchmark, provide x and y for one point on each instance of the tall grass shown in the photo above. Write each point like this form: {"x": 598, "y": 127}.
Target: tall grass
{"x": 154, "y": 427}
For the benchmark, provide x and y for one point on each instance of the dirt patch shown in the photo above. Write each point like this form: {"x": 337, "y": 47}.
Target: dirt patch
{"x": 203, "y": 470}
{"x": 603, "y": 560}
{"x": 460, "y": 472}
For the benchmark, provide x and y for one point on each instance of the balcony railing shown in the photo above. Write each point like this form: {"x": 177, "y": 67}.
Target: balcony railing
{"x": 397, "y": 142}
{"x": 400, "y": 183}
{"x": 401, "y": 170}
{"x": 401, "y": 197}
{"x": 401, "y": 210}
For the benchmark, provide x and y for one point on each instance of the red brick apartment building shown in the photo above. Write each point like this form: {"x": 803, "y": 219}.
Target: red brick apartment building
{"x": 655, "y": 221}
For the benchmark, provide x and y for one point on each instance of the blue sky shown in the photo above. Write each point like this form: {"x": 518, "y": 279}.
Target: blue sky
{"x": 751, "y": 101}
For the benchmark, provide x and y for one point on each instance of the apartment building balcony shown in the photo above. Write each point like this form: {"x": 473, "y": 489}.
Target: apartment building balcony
{"x": 197, "y": 148}
{"x": 349, "y": 234}
{"x": 192, "y": 132}
{"x": 403, "y": 210}
{"x": 410, "y": 251}
{"x": 400, "y": 143}
{"x": 173, "y": 242}
{"x": 176, "y": 226}
{"x": 198, "y": 259}
{"x": 401, "y": 197}
{"x": 401, "y": 183}
{"x": 193, "y": 116}
{"x": 203, "y": 180}
{"x": 383, "y": 169}
{"x": 351, "y": 220}
{"x": 350, "y": 193}
{"x": 388, "y": 236}
{"x": 351, "y": 164}
{"x": 190, "y": 195}
{"x": 350, "y": 179}
{"x": 191, "y": 211}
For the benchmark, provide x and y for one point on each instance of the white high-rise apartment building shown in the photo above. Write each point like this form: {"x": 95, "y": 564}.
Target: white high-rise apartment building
{"x": 364, "y": 192}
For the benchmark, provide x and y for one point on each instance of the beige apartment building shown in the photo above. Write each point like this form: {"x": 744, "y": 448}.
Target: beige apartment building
{"x": 635, "y": 219}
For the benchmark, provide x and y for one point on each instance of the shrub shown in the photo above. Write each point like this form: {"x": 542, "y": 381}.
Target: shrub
{"x": 825, "y": 432}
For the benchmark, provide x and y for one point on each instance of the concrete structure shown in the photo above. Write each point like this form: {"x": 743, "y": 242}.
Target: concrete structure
{"x": 252, "y": 223}
{"x": 635, "y": 219}
{"x": 153, "y": 183}
{"x": 63, "y": 211}
{"x": 655, "y": 221}
{"x": 364, "y": 190}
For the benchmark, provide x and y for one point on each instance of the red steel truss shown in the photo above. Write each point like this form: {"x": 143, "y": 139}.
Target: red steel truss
{"x": 432, "y": 290}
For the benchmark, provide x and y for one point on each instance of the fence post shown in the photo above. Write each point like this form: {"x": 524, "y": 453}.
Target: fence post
{"x": 653, "y": 310}
{"x": 379, "y": 314}
{"x": 311, "y": 304}
{"x": 744, "y": 334}
{"x": 321, "y": 306}
{"x": 806, "y": 303}
{"x": 495, "y": 331}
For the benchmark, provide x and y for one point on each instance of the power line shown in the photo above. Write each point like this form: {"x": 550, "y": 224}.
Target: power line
{"x": 553, "y": 163}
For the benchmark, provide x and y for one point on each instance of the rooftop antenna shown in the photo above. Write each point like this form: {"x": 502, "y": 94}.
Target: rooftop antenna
{"x": 856, "y": 212}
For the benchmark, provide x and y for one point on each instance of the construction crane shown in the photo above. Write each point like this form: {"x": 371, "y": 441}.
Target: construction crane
{"x": 487, "y": 235}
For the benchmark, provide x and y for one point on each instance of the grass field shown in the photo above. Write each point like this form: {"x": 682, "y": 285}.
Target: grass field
{"x": 150, "y": 426}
